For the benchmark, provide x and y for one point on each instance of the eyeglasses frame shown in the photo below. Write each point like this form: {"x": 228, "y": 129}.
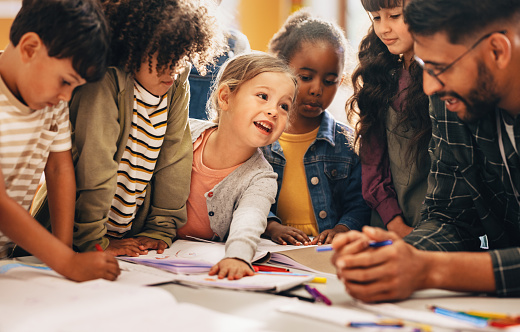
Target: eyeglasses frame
{"x": 431, "y": 72}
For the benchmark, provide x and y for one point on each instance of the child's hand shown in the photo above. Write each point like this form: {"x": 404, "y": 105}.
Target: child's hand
{"x": 328, "y": 235}
{"x": 130, "y": 247}
{"x": 233, "y": 268}
{"x": 286, "y": 234}
{"x": 90, "y": 265}
{"x": 152, "y": 244}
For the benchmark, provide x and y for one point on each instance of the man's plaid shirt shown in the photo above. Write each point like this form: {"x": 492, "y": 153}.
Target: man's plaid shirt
{"x": 470, "y": 194}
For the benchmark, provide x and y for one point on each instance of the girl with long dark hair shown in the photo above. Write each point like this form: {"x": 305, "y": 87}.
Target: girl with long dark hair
{"x": 393, "y": 128}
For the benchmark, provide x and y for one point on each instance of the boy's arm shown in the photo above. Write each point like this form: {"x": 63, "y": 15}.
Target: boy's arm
{"x": 17, "y": 224}
{"x": 61, "y": 192}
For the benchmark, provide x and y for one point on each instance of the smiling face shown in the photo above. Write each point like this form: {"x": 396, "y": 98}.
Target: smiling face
{"x": 389, "y": 26}
{"x": 319, "y": 68}
{"x": 257, "y": 111}
{"x": 470, "y": 89}
{"x": 156, "y": 84}
{"x": 43, "y": 80}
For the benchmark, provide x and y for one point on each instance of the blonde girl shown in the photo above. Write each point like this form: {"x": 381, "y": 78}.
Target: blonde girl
{"x": 232, "y": 185}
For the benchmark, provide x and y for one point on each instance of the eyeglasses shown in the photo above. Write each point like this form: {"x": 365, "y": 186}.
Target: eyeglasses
{"x": 436, "y": 75}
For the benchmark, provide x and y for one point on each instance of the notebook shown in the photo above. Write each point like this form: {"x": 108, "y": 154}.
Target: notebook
{"x": 190, "y": 261}
{"x": 187, "y": 257}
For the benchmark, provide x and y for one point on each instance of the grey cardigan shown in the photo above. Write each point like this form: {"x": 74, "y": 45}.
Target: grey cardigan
{"x": 240, "y": 203}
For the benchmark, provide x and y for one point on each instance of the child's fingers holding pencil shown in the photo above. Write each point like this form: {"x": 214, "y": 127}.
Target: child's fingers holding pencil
{"x": 113, "y": 269}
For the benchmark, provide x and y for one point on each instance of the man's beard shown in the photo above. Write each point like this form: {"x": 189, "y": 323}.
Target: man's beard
{"x": 480, "y": 100}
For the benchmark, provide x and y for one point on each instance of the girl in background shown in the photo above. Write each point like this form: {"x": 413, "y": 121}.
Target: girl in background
{"x": 319, "y": 175}
{"x": 394, "y": 126}
{"x": 232, "y": 185}
{"x": 131, "y": 137}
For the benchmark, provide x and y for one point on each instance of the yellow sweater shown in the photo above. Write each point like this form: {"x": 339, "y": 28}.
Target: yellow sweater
{"x": 294, "y": 203}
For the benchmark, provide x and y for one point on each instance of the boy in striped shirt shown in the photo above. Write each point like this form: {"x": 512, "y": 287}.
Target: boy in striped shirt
{"x": 55, "y": 46}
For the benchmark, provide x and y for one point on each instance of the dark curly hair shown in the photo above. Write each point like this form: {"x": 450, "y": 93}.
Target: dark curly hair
{"x": 375, "y": 88}
{"x": 73, "y": 29}
{"x": 301, "y": 27}
{"x": 176, "y": 30}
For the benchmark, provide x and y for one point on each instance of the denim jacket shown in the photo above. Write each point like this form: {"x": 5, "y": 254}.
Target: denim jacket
{"x": 333, "y": 176}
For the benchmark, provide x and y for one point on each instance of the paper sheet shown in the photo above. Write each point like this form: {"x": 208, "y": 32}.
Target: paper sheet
{"x": 419, "y": 316}
{"x": 131, "y": 274}
{"x": 36, "y": 299}
{"x": 258, "y": 282}
{"x": 334, "y": 315}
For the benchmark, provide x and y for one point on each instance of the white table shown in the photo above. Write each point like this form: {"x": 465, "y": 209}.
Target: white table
{"x": 261, "y": 306}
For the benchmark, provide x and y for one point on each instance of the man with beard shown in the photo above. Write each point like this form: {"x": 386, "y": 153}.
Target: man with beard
{"x": 470, "y": 53}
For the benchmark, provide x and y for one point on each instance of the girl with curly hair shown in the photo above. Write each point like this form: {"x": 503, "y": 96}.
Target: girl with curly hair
{"x": 394, "y": 128}
{"x": 132, "y": 143}
{"x": 319, "y": 174}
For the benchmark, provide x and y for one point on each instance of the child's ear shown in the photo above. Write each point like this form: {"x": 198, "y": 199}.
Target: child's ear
{"x": 29, "y": 44}
{"x": 223, "y": 94}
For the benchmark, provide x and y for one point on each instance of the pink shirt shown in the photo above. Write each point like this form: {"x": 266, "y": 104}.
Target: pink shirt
{"x": 203, "y": 180}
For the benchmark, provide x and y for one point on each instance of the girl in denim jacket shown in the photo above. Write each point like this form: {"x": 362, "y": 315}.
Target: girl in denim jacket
{"x": 232, "y": 185}
{"x": 319, "y": 174}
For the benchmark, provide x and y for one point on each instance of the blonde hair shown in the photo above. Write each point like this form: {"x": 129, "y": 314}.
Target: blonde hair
{"x": 240, "y": 69}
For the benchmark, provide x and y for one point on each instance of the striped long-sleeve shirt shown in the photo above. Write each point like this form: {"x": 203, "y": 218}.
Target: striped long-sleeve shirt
{"x": 139, "y": 158}
{"x": 26, "y": 139}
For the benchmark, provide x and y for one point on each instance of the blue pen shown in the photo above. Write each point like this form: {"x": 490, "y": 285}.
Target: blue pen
{"x": 323, "y": 248}
{"x": 380, "y": 244}
{"x": 481, "y": 322}
{"x": 373, "y": 324}
{"x": 371, "y": 244}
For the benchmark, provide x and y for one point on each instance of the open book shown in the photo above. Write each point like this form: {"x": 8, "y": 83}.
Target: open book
{"x": 188, "y": 257}
{"x": 199, "y": 256}
{"x": 191, "y": 261}
{"x": 298, "y": 257}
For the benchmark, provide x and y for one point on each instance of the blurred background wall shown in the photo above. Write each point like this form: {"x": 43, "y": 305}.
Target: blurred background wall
{"x": 8, "y": 10}
{"x": 259, "y": 20}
